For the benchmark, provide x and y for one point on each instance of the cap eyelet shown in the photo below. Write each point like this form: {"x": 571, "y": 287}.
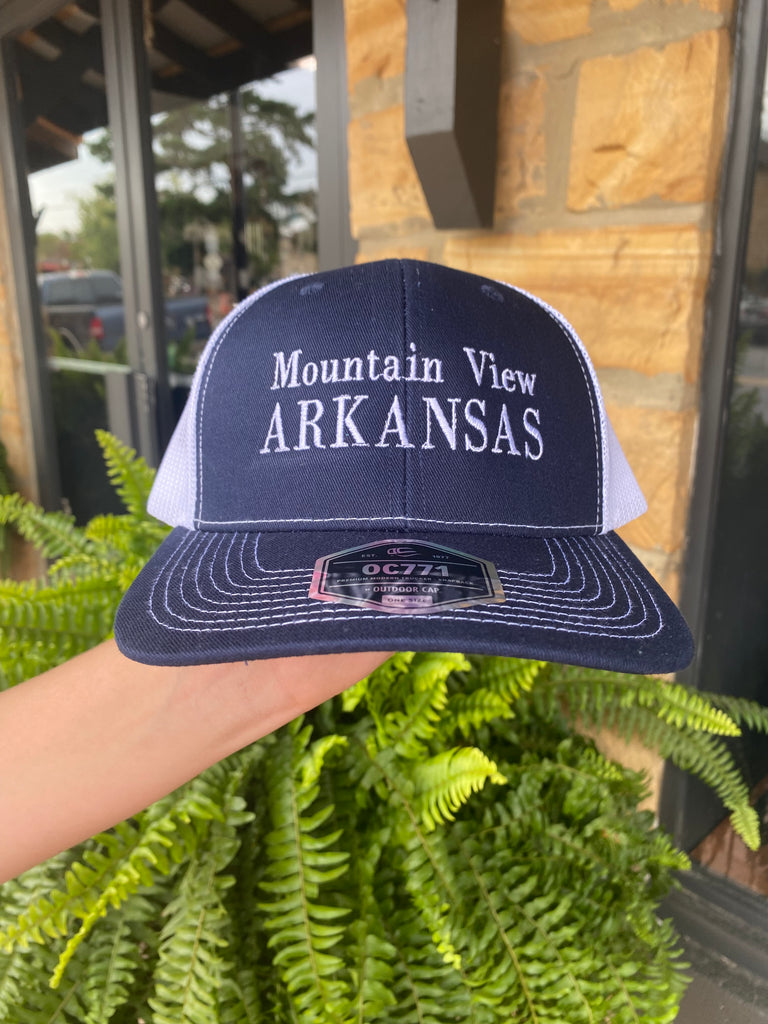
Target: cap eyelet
{"x": 310, "y": 289}
{"x": 491, "y": 292}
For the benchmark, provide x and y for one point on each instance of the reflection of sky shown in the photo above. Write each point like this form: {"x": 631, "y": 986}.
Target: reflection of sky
{"x": 55, "y": 191}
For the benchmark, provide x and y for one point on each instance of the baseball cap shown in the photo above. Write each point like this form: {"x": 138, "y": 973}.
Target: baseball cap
{"x": 397, "y": 455}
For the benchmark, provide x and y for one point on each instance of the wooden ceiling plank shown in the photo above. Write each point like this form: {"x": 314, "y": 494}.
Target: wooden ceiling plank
{"x": 40, "y": 99}
{"x": 83, "y": 48}
{"x": 237, "y": 23}
{"x": 197, "y": 64}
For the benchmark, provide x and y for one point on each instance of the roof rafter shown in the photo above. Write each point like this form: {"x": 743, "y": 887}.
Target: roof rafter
{"x": 86, "y": 105}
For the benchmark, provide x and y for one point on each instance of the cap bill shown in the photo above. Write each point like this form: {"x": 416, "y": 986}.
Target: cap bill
{"x": 209, "y": 597}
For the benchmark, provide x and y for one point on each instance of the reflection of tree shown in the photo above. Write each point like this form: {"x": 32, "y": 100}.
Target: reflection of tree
{"x": 193, "y": 146}
{"x": 746, "y": 439}
{"x": 193, "y": 159}
{"x": 96, "y": 245}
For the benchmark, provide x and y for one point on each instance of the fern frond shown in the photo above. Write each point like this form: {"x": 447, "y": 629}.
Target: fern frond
{"x": 507, "y": 677}
{"x": 121, "y": 536}
{"x": 351, "y": 697}
{"x": 117, "y": 864}
{"x": 40, "y": 1003}
{"x": 743, "y": 711}
{"x": 192, "y": 968}
{"x": 368, "y": 953}
{"x": 54, "y": 534}
{"x": 427, "y": 990}
{"x": 81, "y": 610}
{"x": 128, "y": 472}
{"x": 19, "y": 973}
{"x": 378, "y": 687}
{"x": 93, "y": 884}
{"x": 602, "y": 698}
{"x": 421, "y": 852}
{"x": 80, "y": 566}
{"x": 300, "y": 863}
{"x": 445, "y": 782}
{"x": 711, "y": 760}
{"x": 467, "y": 712}
{"x": 113, "y": 962}
{"x": 426, "y": 696}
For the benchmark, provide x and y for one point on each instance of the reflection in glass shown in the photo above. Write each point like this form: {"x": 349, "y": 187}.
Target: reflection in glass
{"x": 60, "y": 68}
{"x": 736, "y": 641}
{"x": 236, "y": 186}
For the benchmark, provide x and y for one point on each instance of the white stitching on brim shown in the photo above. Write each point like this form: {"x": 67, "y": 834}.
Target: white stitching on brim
{"x": 254, "y": 525}
{"x": 555, "y": 602}
{"x": 552, "y": 598}
{"x": 521, "y": 612}
{"x": 304, "y": 570}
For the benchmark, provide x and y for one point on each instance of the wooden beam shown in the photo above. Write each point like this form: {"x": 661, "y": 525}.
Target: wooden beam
{"x": 125, "y": 60}
{"x": 237, "y": 23}
{"x": 81, "y": 48}
{"x": 196, "y": 63}
{"x": 54, "y": 90}
{"x": 452, "y": 74}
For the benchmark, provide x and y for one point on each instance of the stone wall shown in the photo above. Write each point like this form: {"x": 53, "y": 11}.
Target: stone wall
{"x": 611, "y": 129}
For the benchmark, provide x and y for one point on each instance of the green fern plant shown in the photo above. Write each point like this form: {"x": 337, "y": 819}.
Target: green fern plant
{"x": 439, "y": 843}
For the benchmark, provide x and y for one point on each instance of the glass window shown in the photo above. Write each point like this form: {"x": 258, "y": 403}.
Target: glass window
{"x": 236, "y": 187}
{"x": 735, "y": 644}
{"x": 60, "y": 67}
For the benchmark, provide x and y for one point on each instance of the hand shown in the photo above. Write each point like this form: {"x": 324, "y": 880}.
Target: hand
{"x": 100, "y": 737}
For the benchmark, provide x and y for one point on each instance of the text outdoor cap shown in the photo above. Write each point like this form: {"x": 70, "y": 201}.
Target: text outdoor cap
{"x": 397, "y": 456}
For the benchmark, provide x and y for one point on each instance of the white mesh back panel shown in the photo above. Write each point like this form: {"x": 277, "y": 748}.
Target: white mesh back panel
{"x": 623, "y": 500}
{"x": 172, "y": 499}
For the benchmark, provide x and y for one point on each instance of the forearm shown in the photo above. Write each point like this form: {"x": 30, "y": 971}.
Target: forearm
{"x": 99, "y": 738}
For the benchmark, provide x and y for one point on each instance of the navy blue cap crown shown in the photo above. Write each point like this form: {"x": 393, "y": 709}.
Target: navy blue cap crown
{"x": 397, "y": 455}
{"x": 400, "y": 394}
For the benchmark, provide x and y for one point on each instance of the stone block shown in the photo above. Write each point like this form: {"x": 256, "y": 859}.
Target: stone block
{"x": 384, "y": 188}
{"x": 547, "y": 21}
{"x": 637, "y": 757}
{"x": 659, "y": 447}
{"x": 388, "y": 251}
{"x": 635, "y": 295}
{"x": 663, "y": 566}
{"x": 375, "y": 33}
{"x": 650, "y": 124}
{"x": 521, "y": 159}
{"x": 715, "y": 6}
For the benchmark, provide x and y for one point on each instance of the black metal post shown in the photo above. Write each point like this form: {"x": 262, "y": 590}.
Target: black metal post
{"x": 128, "y": 99}
{"x": 22, "y": 230}
{"x": 682, "y": 797}
{"x": 336, "y": 247}
{"x": 240, "y": 265}
{"x": 452, "y": 75}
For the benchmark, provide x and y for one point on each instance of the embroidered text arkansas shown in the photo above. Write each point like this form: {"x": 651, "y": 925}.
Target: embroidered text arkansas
{"x": 467, "y": 425}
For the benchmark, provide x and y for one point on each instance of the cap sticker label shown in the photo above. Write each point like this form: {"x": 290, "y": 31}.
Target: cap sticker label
{"x": 405, "y": 577}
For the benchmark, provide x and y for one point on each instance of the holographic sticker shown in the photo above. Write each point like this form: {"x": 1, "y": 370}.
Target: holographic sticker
{"x": 405, "y": 577}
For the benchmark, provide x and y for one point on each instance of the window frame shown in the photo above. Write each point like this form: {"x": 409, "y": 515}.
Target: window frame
{"x": 147, "y": 414}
